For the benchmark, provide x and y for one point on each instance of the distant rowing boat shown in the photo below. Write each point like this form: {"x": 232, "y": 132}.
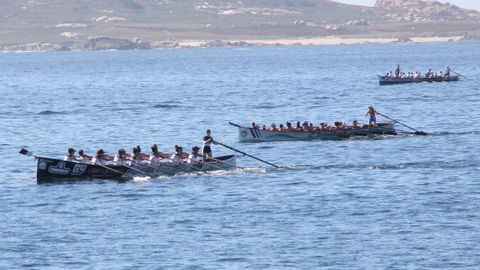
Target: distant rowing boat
{"x": 384, "y": 80}
{"x": 246, "y": 134}
{"x": 50, "y": 169}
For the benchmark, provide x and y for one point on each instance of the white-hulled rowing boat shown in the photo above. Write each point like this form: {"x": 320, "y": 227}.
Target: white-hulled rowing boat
{"x": 246, "y": 134}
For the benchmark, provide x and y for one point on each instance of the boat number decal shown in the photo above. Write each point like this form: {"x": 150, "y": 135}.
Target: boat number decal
{"x": 79, "y": 169}
{"x": 243, "y": 133}
{"x": 255, "y": 133}
{"x": 42, "y": 165}
{"x": 59, "y": 169}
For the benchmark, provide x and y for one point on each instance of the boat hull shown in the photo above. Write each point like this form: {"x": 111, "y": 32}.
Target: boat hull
{"x": 259, "y": 135}
{"x": 49, "y": 169}
{"x": 52, "y": 170}
{"x": 387, "y": 80}
{"x": 169, "y": 169}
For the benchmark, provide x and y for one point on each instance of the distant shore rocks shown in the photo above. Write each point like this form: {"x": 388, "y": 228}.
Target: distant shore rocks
{"x": 34, "y": 47}
{"x": 225, "y": 43}
{"x": 98, "y": 43}
{"x": 471, "y": 36}
{"x": 404, "y": 40}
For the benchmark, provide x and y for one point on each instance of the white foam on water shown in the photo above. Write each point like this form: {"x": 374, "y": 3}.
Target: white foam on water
{"x": 141, "y": 178}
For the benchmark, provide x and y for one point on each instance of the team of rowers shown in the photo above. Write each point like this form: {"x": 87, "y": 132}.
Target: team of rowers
{"x": 122, "y": 158}
{"x": 308, "y": 127}
{"x": 411, "y": 75}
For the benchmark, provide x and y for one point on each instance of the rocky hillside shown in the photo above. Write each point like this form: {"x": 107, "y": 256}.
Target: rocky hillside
{"x": 126, "y": 24}
{"x": 423, "y": 11}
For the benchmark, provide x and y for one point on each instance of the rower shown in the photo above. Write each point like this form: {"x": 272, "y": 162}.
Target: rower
{"x": 143, "y": 156}
{"x": 176, "y": 157}
{"x": 429, "y": 73}
{"x": 447, "y": 71}
{"x": 136, "y": 156}
{"x": 82, "y": 156}
{"x": 100, "y": 158}
{"x": 397, "y": 71}
{"x": 206, "y": 149}
{"x": 373, "y": 118}
{"x": 355, "y": 124}
{"x": 70, "y": 155}
{"x": 120, "y": 158}
{"x": 156, "y": 156}
{"x": 193, "y": 157}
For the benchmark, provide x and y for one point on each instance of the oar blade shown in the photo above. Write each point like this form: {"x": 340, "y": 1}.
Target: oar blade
{"x": 421, "y": 133}
{"x": 25, "y": 152}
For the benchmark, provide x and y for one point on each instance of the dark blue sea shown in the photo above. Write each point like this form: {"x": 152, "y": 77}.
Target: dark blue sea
{"x": 404, "y": 202}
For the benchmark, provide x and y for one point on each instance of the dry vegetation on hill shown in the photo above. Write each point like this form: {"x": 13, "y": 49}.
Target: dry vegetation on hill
{"x": 127, "y": 24}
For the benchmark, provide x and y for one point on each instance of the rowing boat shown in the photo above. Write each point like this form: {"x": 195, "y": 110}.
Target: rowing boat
{"x": 246, "y": 134}
{"x": 384, "y": 80}
{"x": 50, "y": 169}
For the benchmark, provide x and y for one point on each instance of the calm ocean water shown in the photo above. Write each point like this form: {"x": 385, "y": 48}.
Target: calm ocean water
{"x": 401, "y": 202}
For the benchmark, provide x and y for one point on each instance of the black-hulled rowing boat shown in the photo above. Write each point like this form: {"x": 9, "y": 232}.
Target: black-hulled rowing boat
{"x": 384, "y": 80}
{"x": 50, "y": 169}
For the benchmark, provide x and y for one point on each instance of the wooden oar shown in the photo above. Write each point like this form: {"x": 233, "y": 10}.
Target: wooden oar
{"x": 459, "y": 74}
{"x": 221, "y": 161}
{"x": 246, "y": 154}
{"x": 158, "y": 168}
{"x": 25, "y": 152}
{"x": 113, "y": 170}
{"x": 137, "y": 170}
{"x": 417, "y": 132}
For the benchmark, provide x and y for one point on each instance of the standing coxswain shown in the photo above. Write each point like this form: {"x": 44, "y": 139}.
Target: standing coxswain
{"x": 207, "y": 142}
{"x": 447, "y": 71}
{"x": 373, "y": 116}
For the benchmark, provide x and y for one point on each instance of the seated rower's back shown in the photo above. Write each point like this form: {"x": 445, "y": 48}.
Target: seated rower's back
{"x": 120, "y": 158}
{"x": 70, "y": 155}
{"x": 194, "y": 157}
{"x": 101, "y": 158}
{"x": 177, "y": 157}
{"x": 82, "y": 157}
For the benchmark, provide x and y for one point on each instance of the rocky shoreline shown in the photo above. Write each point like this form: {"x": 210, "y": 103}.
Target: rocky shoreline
{"x": 102, "y": 43}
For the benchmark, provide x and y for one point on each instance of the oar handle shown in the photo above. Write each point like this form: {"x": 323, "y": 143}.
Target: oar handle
{"x": 458, "y": 74}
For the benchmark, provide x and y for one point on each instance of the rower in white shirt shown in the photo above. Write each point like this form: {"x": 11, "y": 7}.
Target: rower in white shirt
{"x": 100, "y": 158}
{"x": 82, "y": 157}
{"x": 194, "y": 157}
{"x": 71, "y": 155}
{"x": 136, "y": 156}
{"x": 120, "y": 158}
{"x": 177, "y": 157}
{"x": 156, "y": 156}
